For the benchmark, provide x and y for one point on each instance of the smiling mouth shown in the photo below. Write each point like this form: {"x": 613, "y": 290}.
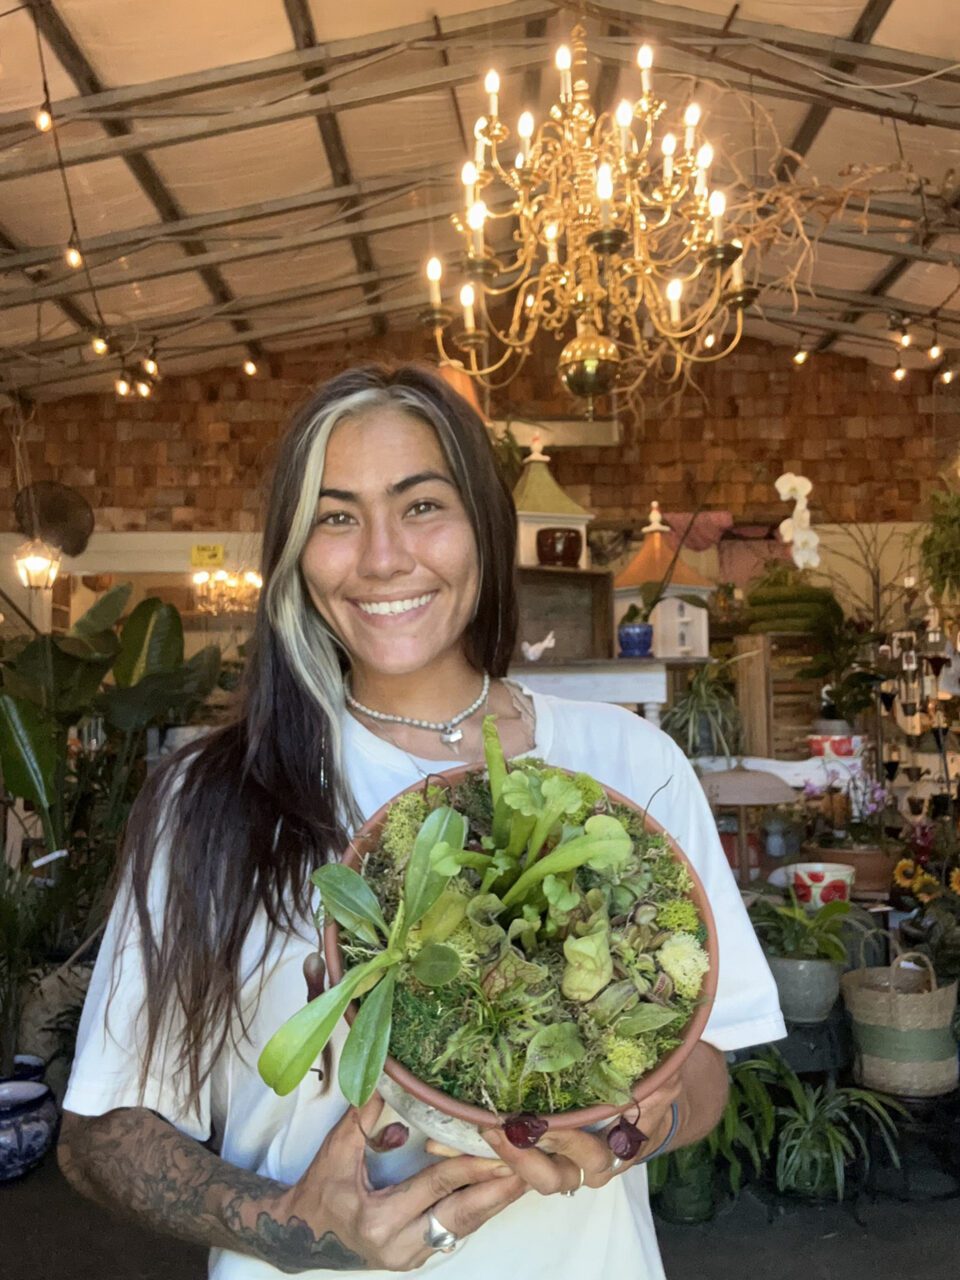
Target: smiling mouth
{"x": 382, "y": 608}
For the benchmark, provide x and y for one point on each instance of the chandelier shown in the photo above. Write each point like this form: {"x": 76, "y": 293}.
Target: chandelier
{"x": 604, "y": 225}
{"x": 222, "y": 592}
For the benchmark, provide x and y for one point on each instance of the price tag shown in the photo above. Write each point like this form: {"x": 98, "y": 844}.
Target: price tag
{"x": 206, "y": 555}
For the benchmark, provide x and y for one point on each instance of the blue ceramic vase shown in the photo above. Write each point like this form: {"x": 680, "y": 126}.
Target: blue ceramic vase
{"x": 28, "y": 1126}
{"x": 636, "y": 639}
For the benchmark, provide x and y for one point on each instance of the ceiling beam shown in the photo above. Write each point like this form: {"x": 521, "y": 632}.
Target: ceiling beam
{"x": 245, "y": 252}
{"x": 327, "y": 54}
{"x": 817, "y": 116}
{"x": 535, "y": 29}
{"x": 29, "y": 159}
{"x": 75, "y": 63}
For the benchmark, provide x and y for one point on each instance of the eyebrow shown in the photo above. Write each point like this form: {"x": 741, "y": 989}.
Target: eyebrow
{"x": 401, "y": 486}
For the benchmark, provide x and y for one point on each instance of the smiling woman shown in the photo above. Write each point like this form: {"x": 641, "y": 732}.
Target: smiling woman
{"x": 385, "y": 627}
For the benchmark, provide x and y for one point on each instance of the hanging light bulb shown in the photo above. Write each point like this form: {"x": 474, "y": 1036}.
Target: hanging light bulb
{"x": 899, "y": 373}
{"x": 44, "y": 119}
{"x": 73, "y": 255}
{"x": 122, "y": 385}
{"x": 935, "y": 351}
{"x": 150, "y": 366}
{"x": 37, "y": 563}
{"x": 710, "y": 340}
{"x": 947, "y": 377}
{"x": 144, "y": 389}
{"x": 801, "y": 356}
{"x": 250, "y": 368}
{"x": 99, "y": 343}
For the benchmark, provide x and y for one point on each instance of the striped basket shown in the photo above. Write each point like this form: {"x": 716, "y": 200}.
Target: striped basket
{"x": 902, "y": 1028}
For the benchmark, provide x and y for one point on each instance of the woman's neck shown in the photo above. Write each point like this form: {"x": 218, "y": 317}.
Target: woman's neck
{"x": 437, "y": 692}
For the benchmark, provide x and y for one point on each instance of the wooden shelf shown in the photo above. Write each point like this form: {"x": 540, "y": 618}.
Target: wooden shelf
{"x": 575, "y": 604}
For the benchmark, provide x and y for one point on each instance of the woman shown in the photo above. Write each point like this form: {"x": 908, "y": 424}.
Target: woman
{"x": 385, "y": 628}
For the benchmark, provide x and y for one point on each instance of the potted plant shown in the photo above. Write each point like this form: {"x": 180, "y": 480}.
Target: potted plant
{"x": 843, "y": 662}
{"x": 805, "y": 951}
{"x": 528, "y": 946}
{"x": 852, "y": 813}
{"x": 687, "y": 1185}
{"x": 822, "y": 1130}
{"x": 940, "y": 549}
{"x": 704, "y": 719}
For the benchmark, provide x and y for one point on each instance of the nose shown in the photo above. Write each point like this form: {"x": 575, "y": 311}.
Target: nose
{"x": 384, "y": 552}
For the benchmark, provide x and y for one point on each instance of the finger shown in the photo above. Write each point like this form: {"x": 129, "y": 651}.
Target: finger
{"x": 314, "y": 973}
{"x": 587, "y": 1151}
{"x": 418, "y": 1194}
{"x": 434, "y": 1148}
{"x": 548, "y": 1174}
{"x": 348, "y": 1138}
{"x": 464, "y": 1212}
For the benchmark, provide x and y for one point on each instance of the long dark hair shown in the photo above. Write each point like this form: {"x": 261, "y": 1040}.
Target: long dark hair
{"x": 245, "y": 814}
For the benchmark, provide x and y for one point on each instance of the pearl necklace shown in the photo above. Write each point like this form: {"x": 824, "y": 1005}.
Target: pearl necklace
{"x": 447, "y": 729}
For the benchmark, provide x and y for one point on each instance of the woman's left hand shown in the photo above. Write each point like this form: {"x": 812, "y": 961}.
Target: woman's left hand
{"x": 555, "y": 1164}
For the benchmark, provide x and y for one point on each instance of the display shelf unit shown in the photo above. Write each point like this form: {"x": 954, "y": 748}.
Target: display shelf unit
{"x": 777, "y": 707}
{"x": 575, "y": 604}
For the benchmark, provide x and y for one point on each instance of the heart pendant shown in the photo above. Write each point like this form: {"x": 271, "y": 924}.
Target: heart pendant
{"x": 451, "y": 735}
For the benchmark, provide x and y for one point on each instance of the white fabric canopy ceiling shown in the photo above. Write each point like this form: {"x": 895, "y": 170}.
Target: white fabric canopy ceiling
{"x": 246, "y": 178}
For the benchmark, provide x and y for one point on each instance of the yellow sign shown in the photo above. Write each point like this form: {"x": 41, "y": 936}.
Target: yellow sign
{"x": 206, "y": 555}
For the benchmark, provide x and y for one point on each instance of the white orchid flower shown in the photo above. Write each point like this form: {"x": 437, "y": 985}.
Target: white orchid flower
{"x": 806, "y": 557}
{"x": 801, "y": 516}
{"x": 805, "y": 539}
{"x": 785, "y": 529}
{"x": 790, "y": 486}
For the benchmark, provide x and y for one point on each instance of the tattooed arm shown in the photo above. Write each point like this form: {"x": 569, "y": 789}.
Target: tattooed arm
{"x": 134, "y": 1161}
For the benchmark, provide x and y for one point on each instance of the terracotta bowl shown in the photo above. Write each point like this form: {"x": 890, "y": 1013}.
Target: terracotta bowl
{"x": 366, "y": 840}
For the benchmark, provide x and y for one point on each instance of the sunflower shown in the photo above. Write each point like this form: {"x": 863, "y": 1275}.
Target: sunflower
{"x": 904, "y": 873}
{"x": 925, "y": 887}
{"x": 955, "y": 881}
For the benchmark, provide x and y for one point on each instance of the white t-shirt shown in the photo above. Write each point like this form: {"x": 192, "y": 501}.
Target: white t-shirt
{"x": 278, "y": 1137}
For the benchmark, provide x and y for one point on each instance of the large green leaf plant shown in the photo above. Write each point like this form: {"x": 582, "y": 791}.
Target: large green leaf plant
{"x": 115, "y": 676}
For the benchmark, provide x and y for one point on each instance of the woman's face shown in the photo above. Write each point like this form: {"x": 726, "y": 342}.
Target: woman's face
{"x": 392, "y": 562}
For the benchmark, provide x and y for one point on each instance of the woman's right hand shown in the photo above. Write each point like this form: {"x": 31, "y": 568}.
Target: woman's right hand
{"x": 333, "y": 1218}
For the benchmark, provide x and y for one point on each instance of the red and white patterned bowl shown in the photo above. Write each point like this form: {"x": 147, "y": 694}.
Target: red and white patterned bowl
{"x": 816, "y": 883}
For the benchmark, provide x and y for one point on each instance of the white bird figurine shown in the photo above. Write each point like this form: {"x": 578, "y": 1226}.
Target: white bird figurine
{"x": 533, "y": 652}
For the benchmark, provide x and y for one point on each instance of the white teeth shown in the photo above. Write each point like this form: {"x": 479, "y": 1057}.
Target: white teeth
{"x": 395, "y": 606}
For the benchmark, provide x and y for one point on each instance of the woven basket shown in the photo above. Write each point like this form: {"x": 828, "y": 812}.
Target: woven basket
{"x": 902, "y": 1028}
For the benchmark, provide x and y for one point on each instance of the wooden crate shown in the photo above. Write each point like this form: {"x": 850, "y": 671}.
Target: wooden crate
{"x": 575, "y": 604}
{"x": 777, "y": 708}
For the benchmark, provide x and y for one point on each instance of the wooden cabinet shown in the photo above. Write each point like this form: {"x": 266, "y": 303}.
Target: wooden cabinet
{"x": 575, "y": 604}
{"x": 777, "y": 708}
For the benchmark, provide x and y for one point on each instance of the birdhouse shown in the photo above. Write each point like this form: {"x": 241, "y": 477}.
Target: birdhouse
{"x": 542, "y": 504}
{"x": 680, "y": 629}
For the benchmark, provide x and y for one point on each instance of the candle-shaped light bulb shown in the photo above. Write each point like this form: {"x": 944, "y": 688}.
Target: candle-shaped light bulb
{"x": 645, "y": 62}
{"x": 691, "y": 118}
{"x": 550, "y": 233}
{"x": 669, "y": 148}
{"x": 480, "y": 141}
{"x": 525, "y": 133}
{"x": 717, "y": 204}
{"x": 564, "y": 61}
{"x": 491, "y": 87}
{"x": 736, "y": 271}
{"x": 703, "y": 162}
{"x": 468, "y": 176}
{"x": 624, "y": 118}
{"x": 467, "y": 298}
{"x": 604, "y": 192}
{"x": 674, "y": 294}
{"x": 434, "y": 276}
{"x": 476, "y": 216}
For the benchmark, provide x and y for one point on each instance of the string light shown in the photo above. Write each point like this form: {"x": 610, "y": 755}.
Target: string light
{"x": 801, "y": 356}
{"x": 122, "y": 385}
{"x": 903, "y": 335}
{"x": 250, "y": 368}
{"x": 899, "y": 373}
{"x": 144, "y": 389}
{"x": 99, "y": 343}
{"x": 43, "y": 120}
{"x": 935, "y": 351}
{"x": 73, "y": 255}
{"x": 150, "y": 366}
{"x": 947, "y": 376}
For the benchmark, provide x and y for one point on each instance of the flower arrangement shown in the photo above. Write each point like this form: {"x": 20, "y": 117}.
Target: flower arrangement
{"x": 796, "y": 529}
{"x": 520, "y": 939}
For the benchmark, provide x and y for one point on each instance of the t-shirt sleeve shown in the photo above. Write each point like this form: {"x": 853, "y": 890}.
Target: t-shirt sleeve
{"x": 746, "y": 1010}
{"x": 111, "y": 1035}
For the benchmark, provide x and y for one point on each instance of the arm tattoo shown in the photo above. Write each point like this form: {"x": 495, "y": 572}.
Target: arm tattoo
{"x": 133, "y": 1161}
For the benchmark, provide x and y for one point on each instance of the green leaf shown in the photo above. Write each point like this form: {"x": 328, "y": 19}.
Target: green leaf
{"x": 352, "y": 903}
{"x": 28, "y": 751}
{"x": 104, "y": 613}
{"x": 151, "y": 641}
{"x": 365, "y": 1051}
{"x": 589, "y": 965}
{"x": 436, "y": 965}
{"x": 521, "y": 793}
{"x": 89, "y": 648}
{"x": 444, "y": 859}
{"x": 291, "y": 1051}
{"x": 423, "y": 885}
{"x": 646, "y": 1017}
{"x": 555, "y": 1048}
{"x": 605, "y": 845}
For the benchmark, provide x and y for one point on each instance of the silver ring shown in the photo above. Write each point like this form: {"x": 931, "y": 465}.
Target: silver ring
{"x": 438, "y": 1237}
{"x": 616, "y": 1164}
{"x": 583, "y": 1174}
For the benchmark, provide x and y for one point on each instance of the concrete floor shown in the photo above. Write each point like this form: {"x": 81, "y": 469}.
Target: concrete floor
{"x": 47, "y": 1231}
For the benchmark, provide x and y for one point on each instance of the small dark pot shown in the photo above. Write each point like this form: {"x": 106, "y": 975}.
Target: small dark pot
{"x": 27, "y": 1066}
{"x": 915, "y": 805}
{"x": 636, "y": 639}
{"x": 909, "y": 708}
{"x": 940, "y": 805}
{"x": 28, "y": 1126}
{"x": 887, "y": 699}
{"x": 559, "y": 546}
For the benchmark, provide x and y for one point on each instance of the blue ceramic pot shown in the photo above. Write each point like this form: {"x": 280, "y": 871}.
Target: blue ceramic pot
{"x": 635, "y": 639}
{"x": 28, "y": 1126}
